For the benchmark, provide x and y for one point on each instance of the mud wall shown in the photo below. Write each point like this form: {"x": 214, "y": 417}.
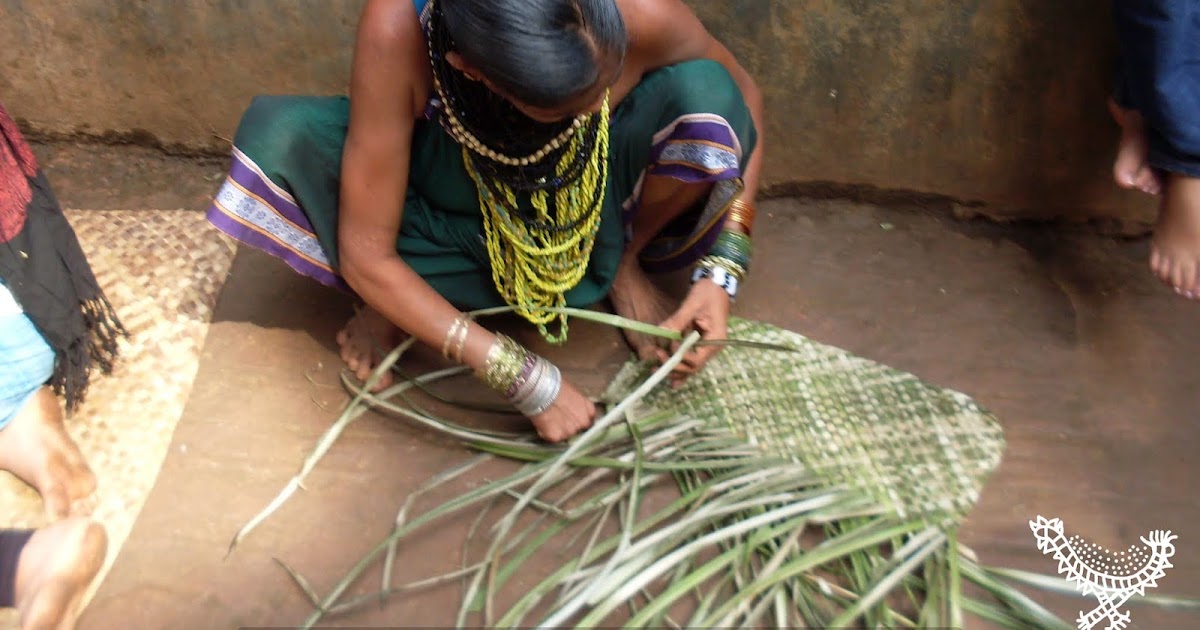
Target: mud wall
{"x": 997, "y": 104}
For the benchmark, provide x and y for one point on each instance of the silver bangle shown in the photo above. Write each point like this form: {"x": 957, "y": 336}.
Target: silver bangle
{"x": 527, "y": 385}
{"x": 543, "y": 393}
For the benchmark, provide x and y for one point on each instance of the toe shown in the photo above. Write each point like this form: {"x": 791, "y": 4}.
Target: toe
{"x": 1158, "y": 266}
{"x": 1191, "y": 288}
{"x": 1178, "y": 277}
{"x": 1143, "y": 175}
{"x": 1145, "y": 182}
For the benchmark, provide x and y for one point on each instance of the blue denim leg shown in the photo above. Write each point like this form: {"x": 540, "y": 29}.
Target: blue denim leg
{"x": 1160, "y": 76}
{"x": 26, "y": 364}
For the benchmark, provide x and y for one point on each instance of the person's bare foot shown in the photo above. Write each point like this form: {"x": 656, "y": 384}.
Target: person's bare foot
{"x": 54, "y": 572}
{"x": 635, "y": 297}
{"x": 35, "y": 446}
{"x": 365, "y": 340}
{"x": 1132, "y": 168}
{"x": 1175, "y": 249}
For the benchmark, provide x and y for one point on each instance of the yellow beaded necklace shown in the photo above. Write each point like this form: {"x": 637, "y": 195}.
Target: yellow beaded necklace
{"x": 535, "y": 261}
{"x": 534, "y": 268}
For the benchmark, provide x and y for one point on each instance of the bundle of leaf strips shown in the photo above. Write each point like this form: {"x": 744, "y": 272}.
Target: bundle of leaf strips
{"x": 813, "y": 489}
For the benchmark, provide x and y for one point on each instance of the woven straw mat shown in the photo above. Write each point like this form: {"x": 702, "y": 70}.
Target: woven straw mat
{"x": 917, "y": 449}
{"x": 162, "y": 270}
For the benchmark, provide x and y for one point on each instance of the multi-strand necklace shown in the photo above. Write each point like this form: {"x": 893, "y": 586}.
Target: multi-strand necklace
{"x": 541, "y": 199}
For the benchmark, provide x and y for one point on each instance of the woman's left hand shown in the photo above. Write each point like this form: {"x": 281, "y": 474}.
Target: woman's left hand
{"x": 705, "y": 309}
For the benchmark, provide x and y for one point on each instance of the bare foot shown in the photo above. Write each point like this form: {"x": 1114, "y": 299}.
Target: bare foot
{"x": 35, "y": 447}
{"x": 1132, "y": 168}
{"x": 1175, "y": 249}
{"x": 55, "y": 570}
{"x": 365, "y": 340}
{"x": 634, "y": 296}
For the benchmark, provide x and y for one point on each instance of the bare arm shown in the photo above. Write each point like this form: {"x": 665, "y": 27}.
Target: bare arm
{"x": 667, "y": 32}
{"x": 388, "y": 88}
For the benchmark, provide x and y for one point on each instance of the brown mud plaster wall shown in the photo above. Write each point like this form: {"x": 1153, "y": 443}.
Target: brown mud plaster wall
{"x": 992, "y": 102}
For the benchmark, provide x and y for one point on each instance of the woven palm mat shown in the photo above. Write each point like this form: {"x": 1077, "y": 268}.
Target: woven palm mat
{"x": 918, "y": 449}
{"x": 162, "y": 270}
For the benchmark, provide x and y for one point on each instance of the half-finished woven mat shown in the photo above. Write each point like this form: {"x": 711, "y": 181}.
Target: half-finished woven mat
{"x": 162, "y": 270}
{"x": 918, "y": 449}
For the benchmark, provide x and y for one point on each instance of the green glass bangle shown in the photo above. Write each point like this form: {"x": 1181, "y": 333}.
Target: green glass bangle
{"x": 735, "y": 247}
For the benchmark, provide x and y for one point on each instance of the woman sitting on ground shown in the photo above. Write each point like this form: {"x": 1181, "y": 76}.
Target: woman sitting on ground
{"x": 534, "y": 153}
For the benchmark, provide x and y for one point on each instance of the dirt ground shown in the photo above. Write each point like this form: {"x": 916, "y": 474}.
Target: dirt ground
{"x": 1088, "y": 362}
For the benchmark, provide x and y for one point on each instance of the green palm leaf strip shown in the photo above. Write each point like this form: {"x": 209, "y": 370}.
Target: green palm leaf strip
{"x": 812, "y": 488}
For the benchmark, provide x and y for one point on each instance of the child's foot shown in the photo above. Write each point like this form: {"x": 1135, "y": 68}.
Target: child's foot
{"x": 1175, "y": 250}
{"x": 365, "y": 340}
{"x": 1132, "y": 168}
{"x": 35, "y": 447}
{"x": 55, "y": 570}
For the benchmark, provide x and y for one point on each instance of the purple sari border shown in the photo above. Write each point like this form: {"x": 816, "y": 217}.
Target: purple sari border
{"x": 244, "y": 173}
{"x": 705, "y": 131}
{"x": 692, "y": 174}
{"x": 697, "y": 148}
{"x": 255, "y": 237}
{"x": 693, "y": 124}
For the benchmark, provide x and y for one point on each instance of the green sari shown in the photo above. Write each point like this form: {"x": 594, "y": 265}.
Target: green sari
{"x": 687, "y": 121}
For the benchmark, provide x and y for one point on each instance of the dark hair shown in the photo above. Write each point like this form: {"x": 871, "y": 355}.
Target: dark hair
{"x": 544, "y": 53}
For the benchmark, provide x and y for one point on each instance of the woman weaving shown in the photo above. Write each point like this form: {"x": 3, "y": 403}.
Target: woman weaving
{"x": 536, "y": 153}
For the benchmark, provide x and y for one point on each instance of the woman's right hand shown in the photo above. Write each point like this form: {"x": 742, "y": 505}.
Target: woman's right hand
{"x": 570, "y": 414}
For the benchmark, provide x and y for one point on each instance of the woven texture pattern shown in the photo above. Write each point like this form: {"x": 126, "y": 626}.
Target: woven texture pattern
{"x": 918, "y": 449}
{"x": 162, "y": 271}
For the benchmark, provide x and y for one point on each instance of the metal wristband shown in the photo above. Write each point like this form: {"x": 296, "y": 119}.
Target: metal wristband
{"x": 723, "y": 278}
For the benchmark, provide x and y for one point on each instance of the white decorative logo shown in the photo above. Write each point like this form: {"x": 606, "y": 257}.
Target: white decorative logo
{"x": 1112, "y": 577}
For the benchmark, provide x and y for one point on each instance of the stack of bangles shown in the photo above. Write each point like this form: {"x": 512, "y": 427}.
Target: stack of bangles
{"x": 526, "y": 380}
{"x": 728, "y": 262}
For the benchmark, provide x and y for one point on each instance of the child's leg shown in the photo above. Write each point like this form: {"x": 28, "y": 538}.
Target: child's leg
{"x": 34, "y": 444}
{"x": 1161, "y": 66}
{"x": 55, "y": 569}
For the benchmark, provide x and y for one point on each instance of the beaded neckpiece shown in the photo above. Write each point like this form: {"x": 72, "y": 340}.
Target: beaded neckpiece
{"x": 541, "y": 209}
